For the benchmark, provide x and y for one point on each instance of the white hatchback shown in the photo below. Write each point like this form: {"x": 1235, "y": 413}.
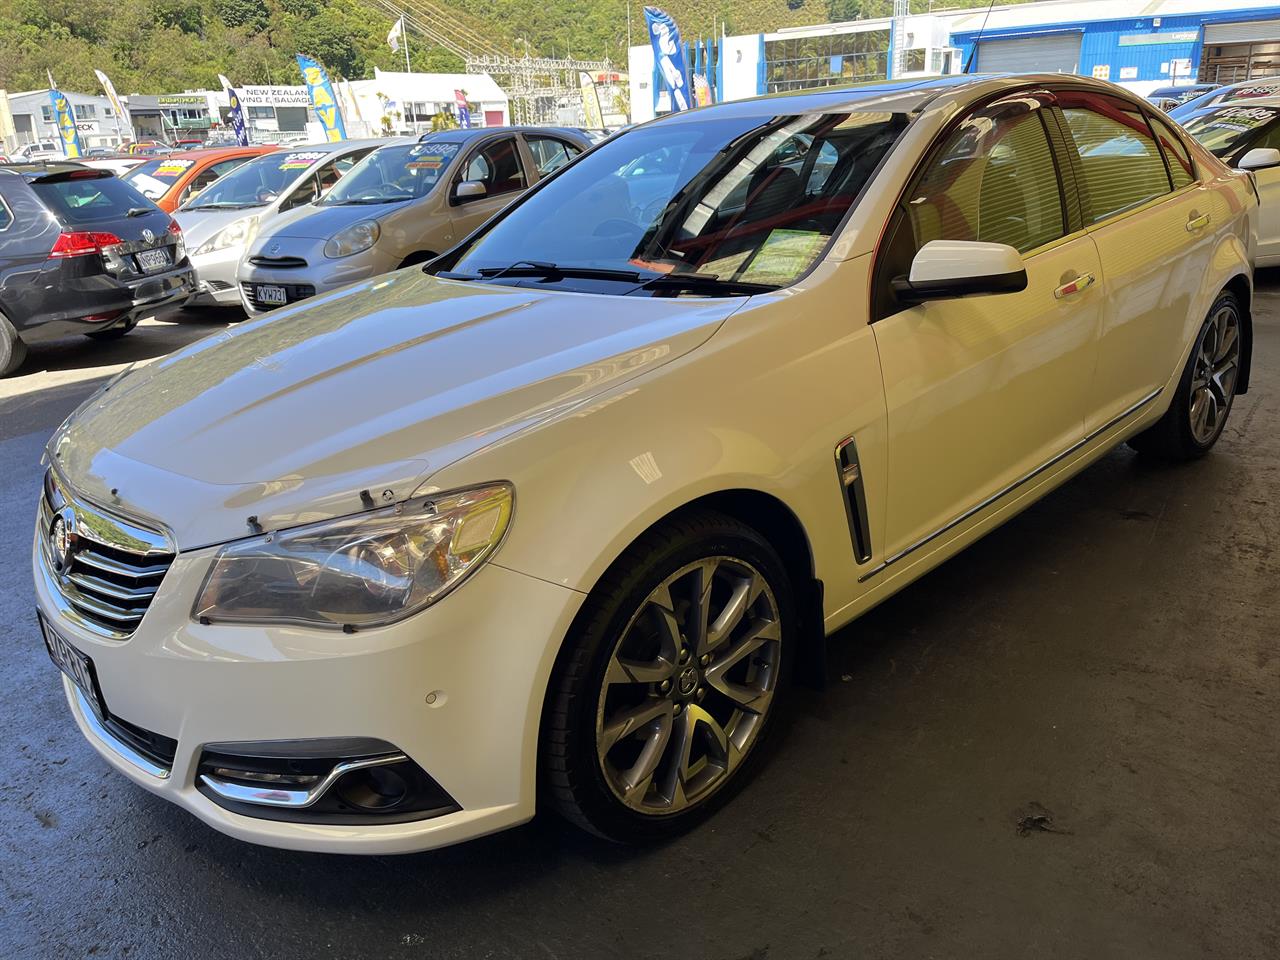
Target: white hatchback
{"x": 560, "y": 515}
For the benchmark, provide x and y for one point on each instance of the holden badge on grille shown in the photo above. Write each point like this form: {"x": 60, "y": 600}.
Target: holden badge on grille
{"x": 61, "y": 542}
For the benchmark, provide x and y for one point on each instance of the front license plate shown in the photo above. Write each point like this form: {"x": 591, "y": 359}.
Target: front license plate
{"x": 73, "y": 663}
{"x": 156, "y": 259}
{"x": 270, "y": 294}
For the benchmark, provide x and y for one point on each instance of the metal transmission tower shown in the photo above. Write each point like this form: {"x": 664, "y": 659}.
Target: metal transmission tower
{"x": 535, "y": 86}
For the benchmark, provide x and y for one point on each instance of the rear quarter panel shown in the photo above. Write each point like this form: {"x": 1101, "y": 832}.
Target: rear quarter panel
{"x": 24, "y": 250}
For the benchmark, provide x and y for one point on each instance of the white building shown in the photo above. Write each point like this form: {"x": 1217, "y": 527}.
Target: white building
{"x": 95, "y": 119}
{"x": 406, "y": 102}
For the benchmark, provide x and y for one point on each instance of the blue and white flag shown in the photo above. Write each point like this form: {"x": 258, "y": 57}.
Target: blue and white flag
{"x": 236, "y": 114}
{"x": 668, "y": 56}
{"x": 322, "y": 98}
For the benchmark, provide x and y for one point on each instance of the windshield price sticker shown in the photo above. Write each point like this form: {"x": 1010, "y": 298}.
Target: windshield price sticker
{"x": 439, "y": 151}
{"x": 173, "y": 168}
{"x": 297, "y": 161}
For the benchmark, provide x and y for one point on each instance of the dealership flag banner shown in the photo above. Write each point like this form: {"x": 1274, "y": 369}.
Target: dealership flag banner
{"x": 592, "y": 115}
{"x": 109, "y": 89}
{"x": 322, "y": 99}
{"x": 236, "y": 114}
{"x": 67, "y": 132}
{"x": 464, "y": 112}
{"x": 668, "y": 55}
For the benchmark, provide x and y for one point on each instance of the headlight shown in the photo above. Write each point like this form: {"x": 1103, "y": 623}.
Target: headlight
{"x": 352, "y": 240}
{"x": 361, "y": 571}
{"x": 236, "y": 234}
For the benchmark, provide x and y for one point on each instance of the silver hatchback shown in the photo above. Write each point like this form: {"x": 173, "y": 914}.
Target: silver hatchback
{"x": 402, "y": 204}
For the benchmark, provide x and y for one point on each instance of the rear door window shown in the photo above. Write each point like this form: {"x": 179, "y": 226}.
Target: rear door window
{"x": 550, "y": 153}
{"x": 89, "y": 199}
{"x": 1181, "y": 168}
{"x": 1120, "y": 164}
{"x": 6, "y": 216}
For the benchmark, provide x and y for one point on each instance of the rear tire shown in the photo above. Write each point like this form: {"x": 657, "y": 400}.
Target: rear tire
{"x": 12, "y": 350}
{"x": 652, "y": 720}
{"x": 1198, "y": 413}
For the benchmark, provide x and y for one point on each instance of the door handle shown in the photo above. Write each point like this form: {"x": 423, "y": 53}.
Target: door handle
{"x": 1197, "y": 223}
{"x": 1082, "y": 282}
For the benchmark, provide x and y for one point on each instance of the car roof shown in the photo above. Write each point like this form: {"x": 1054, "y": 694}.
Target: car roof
{"x": 218, "y": 153}
{"x": 899, "y": 96}
{"x": 41, "y": 168}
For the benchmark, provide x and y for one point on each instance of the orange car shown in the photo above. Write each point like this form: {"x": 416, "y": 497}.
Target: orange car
{"x": 172, "y": 180}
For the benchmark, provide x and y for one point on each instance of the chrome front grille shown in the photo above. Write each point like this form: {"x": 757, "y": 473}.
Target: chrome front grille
{"x": 108, "y": 569}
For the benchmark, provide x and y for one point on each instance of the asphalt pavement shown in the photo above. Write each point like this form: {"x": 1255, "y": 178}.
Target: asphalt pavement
{"x": 1065, "y": 742}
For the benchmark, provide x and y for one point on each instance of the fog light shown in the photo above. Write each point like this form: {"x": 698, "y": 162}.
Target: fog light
{"x": 375, "y": 789}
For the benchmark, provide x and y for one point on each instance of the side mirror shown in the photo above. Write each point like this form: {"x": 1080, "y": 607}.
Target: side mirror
{"x": 1259, "y": 158}
{"x": 470, "y": 190}
{"x": 944, "y": 269}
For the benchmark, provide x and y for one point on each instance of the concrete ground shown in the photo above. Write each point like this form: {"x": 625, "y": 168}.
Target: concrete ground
{"x": 1104, "y": 667}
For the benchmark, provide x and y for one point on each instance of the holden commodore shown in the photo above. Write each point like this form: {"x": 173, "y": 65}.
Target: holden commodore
{"x": 560, "y": 515}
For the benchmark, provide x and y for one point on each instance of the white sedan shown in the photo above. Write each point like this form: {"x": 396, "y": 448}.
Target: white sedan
{"x": 558, "y": 517}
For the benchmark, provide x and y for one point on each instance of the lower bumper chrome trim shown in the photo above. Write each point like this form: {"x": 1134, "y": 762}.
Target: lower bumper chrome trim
{"x": 268, "y": 795}
{"x": 115, "y": 744}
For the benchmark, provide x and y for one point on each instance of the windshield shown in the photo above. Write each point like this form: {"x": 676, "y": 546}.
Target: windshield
{"x": 258, "y": 182}
{"x": 714, "y": 208}
{"x": 1224, "y": 129}
{"x": 155, "y": 178}
{"x": 394, "y": 174}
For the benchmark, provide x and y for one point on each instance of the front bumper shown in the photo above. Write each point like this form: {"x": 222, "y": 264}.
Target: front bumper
{"x": 319, "y": 275}
{"x": 482, "y": 657}
{"x": 216, "y": 277}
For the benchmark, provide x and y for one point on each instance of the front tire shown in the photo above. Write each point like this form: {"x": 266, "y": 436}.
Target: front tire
{"x": 670, "y": 681}
{"x": 1198, "y": 413}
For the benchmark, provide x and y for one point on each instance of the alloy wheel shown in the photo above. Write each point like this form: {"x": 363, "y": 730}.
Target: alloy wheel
{"x": 689, "y": 685}
{"x": 1213, "y": 380}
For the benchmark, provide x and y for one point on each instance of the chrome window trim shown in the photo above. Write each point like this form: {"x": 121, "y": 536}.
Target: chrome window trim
{"x": 4, "y": 205}
{"x": 1000, "y": 494}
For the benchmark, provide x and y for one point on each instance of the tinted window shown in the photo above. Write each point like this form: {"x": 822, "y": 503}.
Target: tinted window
{"x": 6, "y": 217}
{"x": 90, "y": 200}
{"x": 497, "y": 166}
{"x": 1120, "y": 164}
{"x": 750, "y": 199}
{"x": 1181, "y": 169}
{"x": 550, "y": 153}
{"x": 994, "y": 180}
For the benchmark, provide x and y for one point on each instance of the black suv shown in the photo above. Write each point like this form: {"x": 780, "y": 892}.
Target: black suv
{"x": 81, "y": 252}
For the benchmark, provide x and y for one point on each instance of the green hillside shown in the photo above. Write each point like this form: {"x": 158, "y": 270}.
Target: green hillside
{"x": 153, "y": 46}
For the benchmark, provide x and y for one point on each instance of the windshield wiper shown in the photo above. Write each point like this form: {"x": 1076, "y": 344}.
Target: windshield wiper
{"x": 221, "y": 205}
{"x": 705, "y": 283}
{"x": 552, "y": 271}
{"x": 139, "y": 212}
{"x": 358, "y": 201}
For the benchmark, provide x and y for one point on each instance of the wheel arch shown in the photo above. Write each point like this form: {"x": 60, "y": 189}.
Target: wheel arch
{"x": 778, "y": 523}
{"x": 418, "y": 256}
{"x": 1243, "y": 290}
